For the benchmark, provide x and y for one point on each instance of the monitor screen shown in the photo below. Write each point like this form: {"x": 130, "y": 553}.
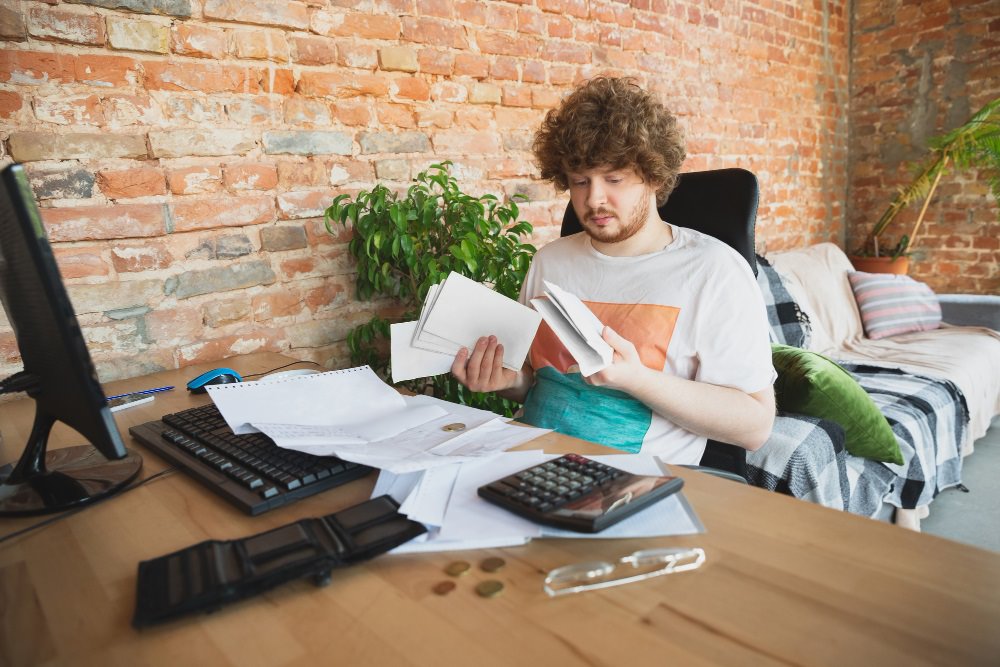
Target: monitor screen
{"x": 58, "y": 372}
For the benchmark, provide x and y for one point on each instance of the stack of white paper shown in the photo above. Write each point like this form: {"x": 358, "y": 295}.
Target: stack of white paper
{"x": 353, "y": 414}
{"x": 446, "y": 501}
{"x": 577, "y": 328}
{"x": 455, "y": 314}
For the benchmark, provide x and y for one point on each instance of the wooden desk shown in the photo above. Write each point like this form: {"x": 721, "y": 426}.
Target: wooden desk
{"x": 785, "y": 582}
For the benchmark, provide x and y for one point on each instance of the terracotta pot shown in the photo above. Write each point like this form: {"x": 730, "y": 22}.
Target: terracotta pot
{"x": 898, "y": 266}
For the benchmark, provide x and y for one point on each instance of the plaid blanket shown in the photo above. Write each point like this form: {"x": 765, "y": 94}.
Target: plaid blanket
{"x": 789, "y": 325}
{"x": 805, "y": 457}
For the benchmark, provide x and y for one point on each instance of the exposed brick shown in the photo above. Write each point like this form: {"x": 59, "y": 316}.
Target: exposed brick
{"x": 283, "y": 303}
{"x": 130, "y": 257}
{"x": 466, "y": 143}
{"x": 433, "y": 61}
{"x": 301, "y": 174}
{"x": 198, "y": 41}
{"x": 285, "y": 13}
{"x": 360, "y": 56}
{"x": 36, "y": 68}
{"x": 221, "y": 247}
{"x": 207, "y": 78}
{"x": 183, "y": 143}
{"x": 137, "y": 182}
{"x": 62, "y": 182}
{"x": 195, "y": 180}
{"x": 392, "y": 170}
{"x": 81, "y": 262}
{"x": 337, "y": 84}
{"x": 178, "y": 8}
{"x": 130, "y": 35}
{"x": 116, "y": 295}
{"x": 398, "y": 58}
{"x": 261, "y": 45}
{"x": 124, "y": 110}
{"x": 484, "y": 93}
{"x": 467, "y": 64}
{"x": 10, "y": 103}
{"x": 434, "y": 32}
{"x": 250, "y": 176}
{"x": 392, "y": 114}
{"x": 286, "y": 237}
{"x": 31, "y": 146}
{"x": 65, "y": 26}
{"x": 254, "y": 111}
{"x": 12, "y": 25}
{"x": 175, "y": 325}
{"x": 410, "y": 88}
{"x": 85, "y": 110}
{"x": 221, "y": 313}
{"x": 307, "y": 143}
{"x": 307, "y": 111}
{"x": 105, "y": 71}
{"x": 221, "y": 279}
{"x": 507, "y": 44}
{"x": 88, "y": 223}
{"x": 298, "y": 205}
{"x": 355, "y": 25}
{"x": 385, "y": 142}
{"x": 224, "y": 212}
{"x": 313, "y": 50}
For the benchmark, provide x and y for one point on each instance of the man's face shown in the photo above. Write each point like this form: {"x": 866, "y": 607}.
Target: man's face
{"x": 612, "y": 204}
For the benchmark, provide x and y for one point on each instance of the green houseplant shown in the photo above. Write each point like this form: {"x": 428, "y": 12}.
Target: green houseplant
{"x": 976, "y": 144}
{"x": 405, "y": 243}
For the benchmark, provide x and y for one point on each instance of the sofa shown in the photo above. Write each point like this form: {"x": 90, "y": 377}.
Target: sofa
{"x": 939, "y": 390}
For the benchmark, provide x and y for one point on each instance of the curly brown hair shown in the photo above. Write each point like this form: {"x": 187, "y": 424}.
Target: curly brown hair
{"x": 611, "y": 122}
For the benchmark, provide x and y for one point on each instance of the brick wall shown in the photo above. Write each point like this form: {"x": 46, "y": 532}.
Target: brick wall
{"x": 184, "y": 150}
{"x": 921, "y": 69}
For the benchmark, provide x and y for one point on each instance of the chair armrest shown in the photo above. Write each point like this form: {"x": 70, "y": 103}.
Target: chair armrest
{"x": 980, "y": 310}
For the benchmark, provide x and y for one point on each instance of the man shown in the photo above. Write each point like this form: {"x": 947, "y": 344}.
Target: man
{"x": 682, "y": 310}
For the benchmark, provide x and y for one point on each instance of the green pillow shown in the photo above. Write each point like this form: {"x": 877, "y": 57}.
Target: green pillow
{"x": 812, "y": 385}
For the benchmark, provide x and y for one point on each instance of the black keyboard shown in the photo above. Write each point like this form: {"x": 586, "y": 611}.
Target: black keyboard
{"x": 249, "y": 471}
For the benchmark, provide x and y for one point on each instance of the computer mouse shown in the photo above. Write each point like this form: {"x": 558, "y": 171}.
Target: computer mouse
{"x": 214, "y": 376}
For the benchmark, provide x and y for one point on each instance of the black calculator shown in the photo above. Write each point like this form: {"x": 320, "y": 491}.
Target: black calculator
{"x": 577, "y": 493}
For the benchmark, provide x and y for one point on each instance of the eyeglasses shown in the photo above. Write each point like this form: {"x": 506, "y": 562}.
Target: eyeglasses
{"x": 641, "y": 565}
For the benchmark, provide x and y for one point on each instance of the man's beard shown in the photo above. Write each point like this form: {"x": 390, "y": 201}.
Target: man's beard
{"x": 625, "y": 232}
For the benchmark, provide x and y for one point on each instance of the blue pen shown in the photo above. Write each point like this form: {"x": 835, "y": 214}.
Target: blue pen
{"x": 142, "y": 392}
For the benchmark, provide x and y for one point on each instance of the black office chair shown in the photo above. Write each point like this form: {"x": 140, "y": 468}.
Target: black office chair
{"x": 721, "y": 203}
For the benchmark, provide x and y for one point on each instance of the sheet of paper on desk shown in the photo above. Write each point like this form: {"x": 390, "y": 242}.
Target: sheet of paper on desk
{"x": 334, "y": 398}
{"x": 471, "y": 523}
{"x": 462, "y": 311}
{"x": 427, "y": 445}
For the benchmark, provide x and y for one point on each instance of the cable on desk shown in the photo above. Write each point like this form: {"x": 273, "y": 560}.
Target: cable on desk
{"x": 69, "y": 513}
{"x": 253, "y": 375}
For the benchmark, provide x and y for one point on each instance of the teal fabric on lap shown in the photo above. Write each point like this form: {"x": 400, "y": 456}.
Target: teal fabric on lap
{"x": 567, "y": 404}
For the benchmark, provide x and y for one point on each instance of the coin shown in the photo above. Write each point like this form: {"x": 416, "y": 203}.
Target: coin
{"x": 457, "y": 569}
{"x": 492, "y": 564}
{"x": 456, "y": 426}
{"x": 489, "y": 588}
{"x": 443, "y": 587}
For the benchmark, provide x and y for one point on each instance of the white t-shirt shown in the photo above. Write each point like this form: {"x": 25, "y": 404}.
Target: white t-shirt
{"x": 692, "y": 309}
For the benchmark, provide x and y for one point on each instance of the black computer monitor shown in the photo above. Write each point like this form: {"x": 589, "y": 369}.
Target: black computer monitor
{"x": 58, "y": 373}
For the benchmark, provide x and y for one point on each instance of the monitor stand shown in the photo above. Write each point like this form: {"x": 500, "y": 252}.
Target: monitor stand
{"x": 51, "y": 481}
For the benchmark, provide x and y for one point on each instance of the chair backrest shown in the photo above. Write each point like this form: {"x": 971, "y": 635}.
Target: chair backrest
{"x": 721, "y": 203}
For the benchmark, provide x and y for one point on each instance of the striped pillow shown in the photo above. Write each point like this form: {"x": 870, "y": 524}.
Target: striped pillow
{"x": 894, "y": 304}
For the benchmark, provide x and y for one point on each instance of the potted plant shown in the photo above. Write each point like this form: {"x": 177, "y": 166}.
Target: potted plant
{"x": 975, "y": 144}
{"x": 405, "y": 243}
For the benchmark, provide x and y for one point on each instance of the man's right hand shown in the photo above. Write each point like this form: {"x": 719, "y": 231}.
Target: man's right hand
{"x": 483, "y": 370}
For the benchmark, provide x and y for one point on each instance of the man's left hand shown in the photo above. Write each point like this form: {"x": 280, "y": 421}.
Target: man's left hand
{"x": 626, "y": 369}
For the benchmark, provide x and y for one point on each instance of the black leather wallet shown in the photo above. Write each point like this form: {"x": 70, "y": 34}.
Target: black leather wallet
{"x": 208, "y": 575}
